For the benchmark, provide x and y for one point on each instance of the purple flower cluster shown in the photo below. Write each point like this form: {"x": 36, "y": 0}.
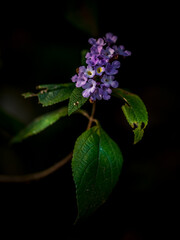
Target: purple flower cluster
{"x": 98, "y": 77}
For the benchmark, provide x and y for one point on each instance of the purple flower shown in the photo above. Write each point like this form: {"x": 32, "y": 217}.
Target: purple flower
{"x": 101, "y": 93}
{"x": 102, "y": 60}
{"x": 97, "y": 46}
{"x": 108, "y": 52}
{"x": 97, "y": 94}
{"x": 121, "y": 51}
{"x": 89, "y": 72}
{"x": 105, "y": 92}
{"x": 109, "y": 81}
{"x": 82, "y": 69}
{"x": 98, "y": 78}
{"x": 74, "y": 78}
{"x": 92, "y": 59}
{"x": 99, "y": 42}
{"x": 96, "y": 59}
{"x": 99, "y": 70}
{"x": 110, "y": 38}
{"x": 81, "y": 81}
{"x": 96, "y": 49}
{"x": 89, "y": 87}
{"x": 111, "y": 68}
{"x": 92, "y": 41}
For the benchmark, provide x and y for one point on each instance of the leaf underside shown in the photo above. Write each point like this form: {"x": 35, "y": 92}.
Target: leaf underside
{"x": 134, "y": 111}
{"x": 39, "y": 124}
{"x": 96, "y": 166}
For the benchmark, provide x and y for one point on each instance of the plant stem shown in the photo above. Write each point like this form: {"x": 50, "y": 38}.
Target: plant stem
{"x": 91, "y": 119}
{"x": 37, "y": 175}
{"x": 84, "y": 113}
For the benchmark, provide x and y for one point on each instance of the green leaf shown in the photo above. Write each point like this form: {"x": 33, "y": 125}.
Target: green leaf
{"x": 55, "y": 94}
{"x": 96, "y": 166}
{"x": 52, "y": 93}
{"x": 134, "y": 111}
{"x": 39, "y": 124}
{"x": 76, "y": 100}
{"x": 29, "y": 94}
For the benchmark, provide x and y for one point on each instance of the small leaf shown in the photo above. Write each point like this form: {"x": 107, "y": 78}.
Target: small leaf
{"x": 76, "y": 100}
{"x": 39, "y": 124}
{"x": 55, "y": 94}
{"x": 29, "y": 94}
{"x": 96, "y": 166}
{"x": 134, "y": 111}
{"x": 52, "y": 93}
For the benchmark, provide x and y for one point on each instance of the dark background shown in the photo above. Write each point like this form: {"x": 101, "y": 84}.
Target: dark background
{"x": 42, "y": 44}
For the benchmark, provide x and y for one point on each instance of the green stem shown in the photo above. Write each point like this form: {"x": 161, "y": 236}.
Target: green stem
{"x": 82, "y": 112}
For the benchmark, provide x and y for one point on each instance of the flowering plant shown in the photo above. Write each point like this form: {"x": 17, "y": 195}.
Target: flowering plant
{"x": 99, "y": 76}
{"x": 96, "y": 158}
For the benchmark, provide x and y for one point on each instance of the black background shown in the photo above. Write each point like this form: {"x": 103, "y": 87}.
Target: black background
{"x": 42, "y": 44}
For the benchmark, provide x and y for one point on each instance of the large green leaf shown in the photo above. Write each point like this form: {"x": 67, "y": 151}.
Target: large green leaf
{"x": 76, "y": 100}
{"x": 96, "y": 166}
{"x": 134, "y": 111}
{"x": 39, "y": 124}
{"x": 52, "y": 93}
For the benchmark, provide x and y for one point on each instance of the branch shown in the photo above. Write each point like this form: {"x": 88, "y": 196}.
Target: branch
{"x": 91, "y": 119}
{"x": 83, "y": 112}
{"x": 37, "y": 175}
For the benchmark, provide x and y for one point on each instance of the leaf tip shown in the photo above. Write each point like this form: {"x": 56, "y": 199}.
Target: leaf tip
{"x": 28, "y": 94}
